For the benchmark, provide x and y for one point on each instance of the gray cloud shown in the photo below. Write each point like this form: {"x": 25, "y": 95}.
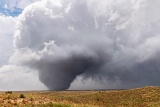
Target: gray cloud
{"x": 7, "y": 29}
{"x": 111, "y": 41}
{"x": 17, "y": 78}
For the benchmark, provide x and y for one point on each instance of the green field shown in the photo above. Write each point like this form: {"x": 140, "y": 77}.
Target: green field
{"x": 140, "y": 97}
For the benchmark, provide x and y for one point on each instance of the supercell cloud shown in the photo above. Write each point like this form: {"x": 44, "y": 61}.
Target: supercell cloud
{"x": 109, "y": 41}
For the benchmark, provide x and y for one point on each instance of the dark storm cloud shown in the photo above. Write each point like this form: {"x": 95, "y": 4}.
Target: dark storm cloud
{"x": 61, "y": 72}
{"x": 105, "y": 40}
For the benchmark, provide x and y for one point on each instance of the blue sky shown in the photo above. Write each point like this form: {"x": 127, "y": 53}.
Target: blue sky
{"x": 6, "y": 9}
{"x": 14, "y": 12}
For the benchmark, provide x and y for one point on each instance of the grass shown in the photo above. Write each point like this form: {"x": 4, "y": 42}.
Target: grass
{"x": 140, "y": 97}
{"x": 49, "y": 105}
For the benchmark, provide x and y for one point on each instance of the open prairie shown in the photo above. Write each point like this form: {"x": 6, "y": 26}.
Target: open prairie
{"x": 139, "y": 97}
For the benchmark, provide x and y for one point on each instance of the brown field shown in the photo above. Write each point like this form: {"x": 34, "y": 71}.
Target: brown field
{"x": 140, "y": 97}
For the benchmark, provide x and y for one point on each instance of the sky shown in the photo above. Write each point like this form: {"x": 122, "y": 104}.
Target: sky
{"x": 72, "y": 44}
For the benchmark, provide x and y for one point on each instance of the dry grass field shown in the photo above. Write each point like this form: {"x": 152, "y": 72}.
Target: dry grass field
{"x": 140, "y": 97}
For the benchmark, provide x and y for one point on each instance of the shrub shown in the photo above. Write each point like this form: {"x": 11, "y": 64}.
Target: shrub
{"x": 22, "y": 96}
{"x": 9, "y": 97}
{"x": 8, "y": 92}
